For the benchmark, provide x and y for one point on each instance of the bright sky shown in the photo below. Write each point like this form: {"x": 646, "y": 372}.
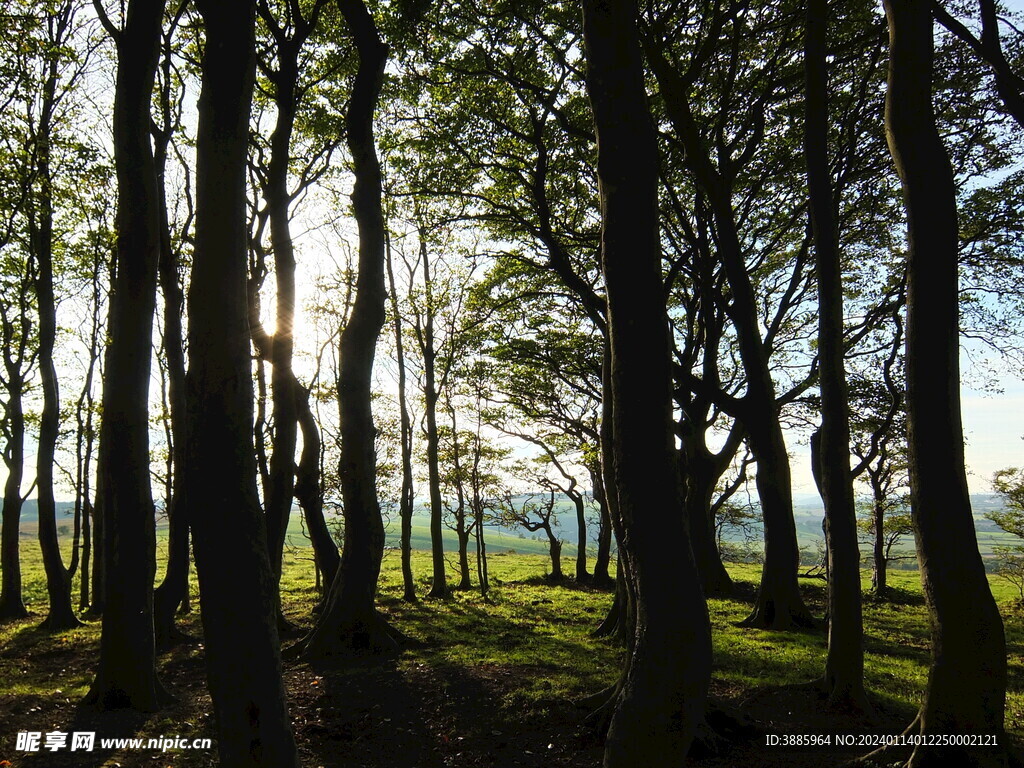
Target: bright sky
{"x": 993, "y": 433}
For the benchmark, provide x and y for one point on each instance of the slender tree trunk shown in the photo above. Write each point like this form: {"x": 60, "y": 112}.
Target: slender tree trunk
{"x": 281, "y": 475}
{"x": 350, "y": 624}
{"x": 701, "y": 478}
{"x": 462, "y": 531}
{"x": 581, "y": 536}
{"x": 602, "y": 560}
{"x": 844, "y": 664}
{"x": 879, "y": 573}
{"x": 235, "y": 580}
{"x": 481, "y": 554}
{"x": 60, "y": 614}
{"x": 12, "y": 606}
{"x": 439, "y": 583}
{"x": 555, "y": 551}
{"x": 966, "y": 691}
{"x": 406, "y": 497}
{"x": 173, "y": 590}
{"x": 309, "y": 494}
{"x": 126, "y": 675}
{"x": 779, "y": 604}
{"x": 660, "y": 698}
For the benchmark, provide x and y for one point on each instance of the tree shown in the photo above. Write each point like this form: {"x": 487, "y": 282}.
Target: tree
{"x": 844, "y": 666}
{"x": 59, "y": 27}
{"x": 350, "y": 622}
{"x": 536, "y": 513}
{"x": 406, "y": 494}
{"x": 967, "y": 678}
{"x": 779, "y": 604}
{"x": 660, "y": 697}
{"x": 126, "y": 675}
{"x": 173, "y": 590}
{"x": 289, "y": 30}
{"x": 1009, "y": 483}
{"x": 235, "y": 580}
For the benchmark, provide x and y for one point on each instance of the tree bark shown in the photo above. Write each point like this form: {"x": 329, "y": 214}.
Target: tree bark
{"x": 173, "y": 590}
{"x": 660, "y": 697}
{"x": 581, "y": 535}
{"x": 779, "y": 604}
{"x": 12, "y": 606}
{"x": 60, "y": 614}
{"x": 126, "y": 675}
{"x": 439, "y": 583}
{"x": 966, "y": 690}
{"x": 350, "y": 624}
{"x": 309, "y": 494}
{"x": 844, "y": 664}
{"x": 235, "y": 580}
{"x": 406, "y": 494}
{"x": 602, "y": 559}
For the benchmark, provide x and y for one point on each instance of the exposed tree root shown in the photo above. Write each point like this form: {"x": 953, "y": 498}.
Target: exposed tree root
{"x": 365, "y": 637}
{"x": 171, "y": 637}
{"x": 768, "y": 615}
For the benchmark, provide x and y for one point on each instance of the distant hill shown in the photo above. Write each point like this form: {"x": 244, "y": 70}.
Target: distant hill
{"x": 807, "y": 511}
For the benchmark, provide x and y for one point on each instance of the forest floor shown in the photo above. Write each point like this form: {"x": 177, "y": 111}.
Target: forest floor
{"x": 486, "y": 684}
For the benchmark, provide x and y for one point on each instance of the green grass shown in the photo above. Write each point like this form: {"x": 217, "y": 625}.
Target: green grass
{"x": 537, "y": 635}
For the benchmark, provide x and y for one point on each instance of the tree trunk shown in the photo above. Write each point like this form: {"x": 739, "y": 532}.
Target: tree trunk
{"x": 844, "y": 664}
{"x": 779, "y": 604}
{"x": 701, "y": 478}
{"x": 12, "y": 607}
{"x": 407, "y": 496}
{"x": 173, "y": 590}
{"x": 602, "y": 559}
{"x": 126, "y": 675}
{"x": 439, "y": 583}
{"x": 966, "y": 691}
{"x": 581, "y": 536}
{"x": 879, "y": 574}
{"x": 308, "y": 492}
{"x": 350, "y": 624}
{"x": 235, "y": 580}
{"x": 281, "y": 477}
{"x": 660, "y": 697}
{"x": 60, "y": 614}
{"x": 555, "y": 550}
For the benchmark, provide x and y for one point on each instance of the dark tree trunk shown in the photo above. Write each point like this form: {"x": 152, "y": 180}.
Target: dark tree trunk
{"x": 581, "y": 536}
{"x": 481, "y": 553}
{"x": 126, "y": 675}
{"x": 173, "y": 590}
{"x": 602, "y": 559}
{"x": 12, "y": 607}
{"x": 701, "y": 478}
{"x": 309, "y": 495}
{"x": 281, "y": 470}
{"x": 844, "y": 665}
{"x": 879, "y": 573}
{"x": 60, "y": 614}
{"x": 779, "y": 604}
{"x": 463, "y": 533}
{"x": 350, "y": 624}
{"x": 407, "y": 497}
{"x": 966, "y": 691}
{"x": 235, "y": 580}
{"x": 84, "y": 410}
{"x": 660, "y": 697}
{"x": 439, "y": 583}
{"x": 555, "y": 551}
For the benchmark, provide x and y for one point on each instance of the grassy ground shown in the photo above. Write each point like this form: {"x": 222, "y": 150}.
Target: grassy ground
{"x": 484, "y": 684}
